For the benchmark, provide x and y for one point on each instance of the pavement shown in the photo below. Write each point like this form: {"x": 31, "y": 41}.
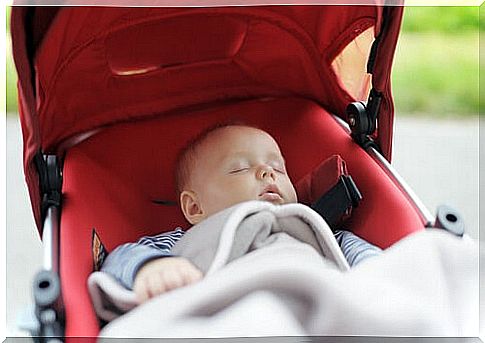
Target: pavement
{"x": 438, "y": 158}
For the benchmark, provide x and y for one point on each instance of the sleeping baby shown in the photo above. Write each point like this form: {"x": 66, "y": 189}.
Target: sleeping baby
{"x": 224, "y": 166}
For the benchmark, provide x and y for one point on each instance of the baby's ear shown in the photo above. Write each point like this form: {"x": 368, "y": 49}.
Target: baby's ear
{"x": 189, "y": 203}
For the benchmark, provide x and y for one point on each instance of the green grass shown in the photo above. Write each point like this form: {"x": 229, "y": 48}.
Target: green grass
{"x": 7, "y": 21}
{"x": 437, "y": 74}
{"x": 11, "y": 80}
{"x": 437, "y": 61}
{"x": 445, "y": 19}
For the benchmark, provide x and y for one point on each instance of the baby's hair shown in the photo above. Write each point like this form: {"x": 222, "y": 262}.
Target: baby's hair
{"x": 186, "y": 158}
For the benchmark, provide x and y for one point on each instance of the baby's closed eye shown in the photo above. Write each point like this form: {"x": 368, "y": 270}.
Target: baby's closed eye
{"x": 278, "y": 166}
{"x": 239, "y": 167}
{"x": 238, "y": 170}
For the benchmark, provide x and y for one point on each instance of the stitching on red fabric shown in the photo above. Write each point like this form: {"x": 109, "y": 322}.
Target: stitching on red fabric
{"x": 77, "y": 49}
{"x": 243, "y": 43}
{"x": 270, "y": 17}
{"x": 162, "y": 70}
{"x": 348, "y": 36}
{"x": 170, "y": 68}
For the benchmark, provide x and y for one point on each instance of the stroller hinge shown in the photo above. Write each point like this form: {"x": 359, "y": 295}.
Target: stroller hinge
{"x": 362, "y": 118}
{"x": 449, "y": 219}
{"x": 50, "y": 180}
{"x": 48, "y": 307}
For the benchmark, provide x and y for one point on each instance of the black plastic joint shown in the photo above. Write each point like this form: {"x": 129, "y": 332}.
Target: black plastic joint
{"x": 48, "y": 306}
{"x": 47, "y": 289}
{"x": 449, "y": 219}
{"x": 372, "y": 108}
{"x": 362, "y": 119}
{"x": 358, "y": 121}
{"x": 50, "y": 180}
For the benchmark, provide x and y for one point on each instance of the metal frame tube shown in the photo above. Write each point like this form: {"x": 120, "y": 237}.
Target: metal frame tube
{"x": 398, "y": 180}
{"x": 47, "y": 289}
{"x": 49, "y": 308}
{"x": 50, "y": 239}
{"x": 422, "y": 209}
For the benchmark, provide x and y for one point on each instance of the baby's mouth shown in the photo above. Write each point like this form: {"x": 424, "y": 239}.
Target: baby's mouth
{"x": 272, "y": 194}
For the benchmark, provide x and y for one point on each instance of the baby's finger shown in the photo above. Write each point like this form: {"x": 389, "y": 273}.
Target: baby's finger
{"x": 172, "y": 280}
{"x": 191, "y": 275}
{"x": 141, "y": 291}
{"x": 156, "y": 285}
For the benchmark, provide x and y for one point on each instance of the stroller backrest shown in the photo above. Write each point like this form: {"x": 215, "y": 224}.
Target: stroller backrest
{"x": 120, "y": 181}
{"x": 112, "y": 178}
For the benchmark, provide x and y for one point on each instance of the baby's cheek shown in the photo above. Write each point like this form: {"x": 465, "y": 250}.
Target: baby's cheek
{"x": 221, "y": 198}
{"x": 291, "y": 192}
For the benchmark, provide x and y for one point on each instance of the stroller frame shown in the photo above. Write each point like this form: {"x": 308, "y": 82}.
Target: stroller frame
{"x": 46, "y": 286}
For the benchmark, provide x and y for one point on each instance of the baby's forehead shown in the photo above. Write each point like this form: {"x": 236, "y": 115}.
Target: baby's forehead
{"x": 237, "y": 133}
{"x": 225, "y": 143}
{"x": 229, "y": 139}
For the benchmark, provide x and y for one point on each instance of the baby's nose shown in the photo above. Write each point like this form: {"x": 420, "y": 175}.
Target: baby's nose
{"x": 265, "y": 171}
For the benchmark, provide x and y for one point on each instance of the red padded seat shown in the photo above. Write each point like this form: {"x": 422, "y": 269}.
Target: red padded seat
{"x": 112, "y": 179}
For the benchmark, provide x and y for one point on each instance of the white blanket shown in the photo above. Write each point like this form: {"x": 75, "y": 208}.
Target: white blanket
{"x": 260, "y": 280}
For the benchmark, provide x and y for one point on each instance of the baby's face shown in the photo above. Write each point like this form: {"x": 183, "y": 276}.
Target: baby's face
{"x": 237, "y": 164}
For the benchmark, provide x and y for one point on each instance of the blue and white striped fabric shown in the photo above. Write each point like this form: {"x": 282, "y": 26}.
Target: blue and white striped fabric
{"x": 163, "y": 241}
{"x": 354, "y": 248}
{"x": 124, "y": 262}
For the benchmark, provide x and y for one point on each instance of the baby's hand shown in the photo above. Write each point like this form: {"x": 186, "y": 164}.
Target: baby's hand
{"x": 164, "y": 274}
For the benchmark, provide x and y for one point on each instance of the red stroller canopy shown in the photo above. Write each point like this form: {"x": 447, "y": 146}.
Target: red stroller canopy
{"x": 84, "y": 68}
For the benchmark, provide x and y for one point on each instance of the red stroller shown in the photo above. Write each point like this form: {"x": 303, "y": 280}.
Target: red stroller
{"x": 108, "y": 96}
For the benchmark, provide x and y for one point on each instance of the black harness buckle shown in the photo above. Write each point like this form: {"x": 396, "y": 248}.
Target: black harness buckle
{"x": 335, "y": 205}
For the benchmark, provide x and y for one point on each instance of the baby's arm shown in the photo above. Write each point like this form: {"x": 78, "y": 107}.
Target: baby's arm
{"x": 354, "y": 248}
{"x": 164, "y": 274}
{"x": 126, "y": 262}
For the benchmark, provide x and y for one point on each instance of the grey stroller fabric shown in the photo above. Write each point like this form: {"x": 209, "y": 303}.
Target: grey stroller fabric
{"x": 262, "y": 278}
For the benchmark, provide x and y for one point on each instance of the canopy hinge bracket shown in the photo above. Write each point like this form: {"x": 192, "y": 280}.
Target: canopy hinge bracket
{"x": 50, "y": 180}
{"x": 362, "y": 119}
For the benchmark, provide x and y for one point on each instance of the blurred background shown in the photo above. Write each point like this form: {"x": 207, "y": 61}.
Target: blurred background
{"x": 435, "y": 85}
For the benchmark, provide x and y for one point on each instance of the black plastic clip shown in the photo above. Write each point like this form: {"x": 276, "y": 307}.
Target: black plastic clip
{"x": 336, "y": 204}
{"x": 50, "y": 180}
{"x": 362, "y": 118}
